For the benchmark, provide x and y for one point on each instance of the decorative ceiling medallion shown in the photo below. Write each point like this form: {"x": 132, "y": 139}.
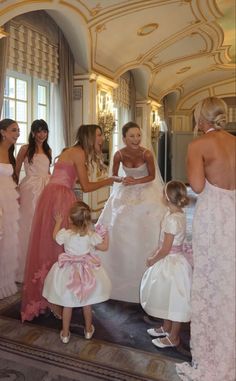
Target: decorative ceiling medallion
{"x": 147, "y": 29}
{"x": 183, "y": 69}
{"x": 100, "y": 28}
{"x": 94, "y": 11}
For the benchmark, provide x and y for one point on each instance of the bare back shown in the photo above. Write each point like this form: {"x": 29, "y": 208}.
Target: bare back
{"x": 212, "y": 157}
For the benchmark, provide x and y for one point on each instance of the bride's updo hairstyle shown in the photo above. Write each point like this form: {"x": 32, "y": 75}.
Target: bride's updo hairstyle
{"x": 213, "y": 110}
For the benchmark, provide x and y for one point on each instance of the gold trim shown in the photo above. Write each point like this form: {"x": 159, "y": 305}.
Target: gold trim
{"x": 20, "y": 4}
{"x": 183, "y": 69}
{"x": 208, "y": 88}
{"x": 147, "y": 29}
{"x": 77, "y": 10}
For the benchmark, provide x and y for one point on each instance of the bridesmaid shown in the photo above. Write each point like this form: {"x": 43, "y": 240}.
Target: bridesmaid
{"x": 36, "y": 156}
{"x": 58, "y": 196}
{"x": 9, "y": 133}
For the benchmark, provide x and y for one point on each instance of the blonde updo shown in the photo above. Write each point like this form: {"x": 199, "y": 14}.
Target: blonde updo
{"x": 176, "y": 193}
{"x": 212, "y": 110}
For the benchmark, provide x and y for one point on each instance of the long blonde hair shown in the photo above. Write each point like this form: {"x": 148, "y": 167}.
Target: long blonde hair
{"x": 85, "y": 138}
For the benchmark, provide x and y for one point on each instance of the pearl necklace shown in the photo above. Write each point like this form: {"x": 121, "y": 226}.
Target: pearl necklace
{"x": 210, "y": 129}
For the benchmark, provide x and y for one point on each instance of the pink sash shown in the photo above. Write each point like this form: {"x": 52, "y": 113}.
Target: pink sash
{"x": 185, "y": 249}
{"x": 82, "y": 281}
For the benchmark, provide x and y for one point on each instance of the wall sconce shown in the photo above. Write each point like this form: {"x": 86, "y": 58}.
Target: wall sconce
{"x": 155, "y": 126}
{"x": 105, "y": 113}
{"x": 3, "y": 33}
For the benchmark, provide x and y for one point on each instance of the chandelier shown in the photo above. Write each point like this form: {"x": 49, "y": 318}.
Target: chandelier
{"x": 105, "y": 113}
{"x": 3, "y": 33}
{"x": 155, "y": 125}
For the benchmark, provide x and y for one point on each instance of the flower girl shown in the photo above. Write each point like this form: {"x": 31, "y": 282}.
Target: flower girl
{"x": 77, "y": 279}
{"x": 166, "y": 284}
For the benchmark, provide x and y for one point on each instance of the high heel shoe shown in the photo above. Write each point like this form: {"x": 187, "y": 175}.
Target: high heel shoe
{"x": 89, "y": 334}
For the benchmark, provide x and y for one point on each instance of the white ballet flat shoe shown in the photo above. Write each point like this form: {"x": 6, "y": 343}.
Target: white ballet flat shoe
{"x": 152, "y": 332}
{"x": 89, "y": 335}
{"x": 64, "y": 339}
{"x": 158, "y": 343}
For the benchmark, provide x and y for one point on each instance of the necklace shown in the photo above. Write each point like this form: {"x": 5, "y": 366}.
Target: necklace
{"x": 210, "y": 129}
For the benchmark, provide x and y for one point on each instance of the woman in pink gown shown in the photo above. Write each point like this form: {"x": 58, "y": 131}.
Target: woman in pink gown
{"x": 211, "y": 173}
{"x": 58, "y": 196}
{"x": 9, "y": 208}
{"x": 36, "y": 156}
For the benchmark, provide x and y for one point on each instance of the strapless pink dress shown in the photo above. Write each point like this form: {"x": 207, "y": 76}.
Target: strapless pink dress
{"x": 30, "y": 188}
{"x": 43, "y": 251}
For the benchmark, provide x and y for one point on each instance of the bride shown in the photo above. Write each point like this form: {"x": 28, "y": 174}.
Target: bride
{"x": 132, "y": 215}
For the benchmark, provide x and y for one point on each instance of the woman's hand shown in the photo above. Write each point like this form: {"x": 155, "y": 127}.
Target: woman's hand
{"x": 129, "y": 180}
{"x": 117, "y": 179}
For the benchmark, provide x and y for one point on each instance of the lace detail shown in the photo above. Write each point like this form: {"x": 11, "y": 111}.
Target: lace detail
{"x": 213, "y": 289}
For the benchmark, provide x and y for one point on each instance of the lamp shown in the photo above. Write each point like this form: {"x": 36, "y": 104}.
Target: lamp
{"x": 105, "y": 113}
{"x": 3, "y": 33}
{"x": 155, "y": 125}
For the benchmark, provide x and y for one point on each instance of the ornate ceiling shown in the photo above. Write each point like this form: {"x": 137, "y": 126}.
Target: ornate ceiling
{"x": 171, "y": 46}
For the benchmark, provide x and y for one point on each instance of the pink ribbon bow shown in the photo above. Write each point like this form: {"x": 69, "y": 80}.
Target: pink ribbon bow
{"x": 82, "y": 281}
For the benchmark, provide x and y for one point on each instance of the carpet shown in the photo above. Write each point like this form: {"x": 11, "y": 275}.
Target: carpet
{"x": 116, "y": 322}
{"x": 121, "y": 350}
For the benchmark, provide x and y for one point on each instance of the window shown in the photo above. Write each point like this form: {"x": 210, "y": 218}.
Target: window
{"x": 25, "y": 99}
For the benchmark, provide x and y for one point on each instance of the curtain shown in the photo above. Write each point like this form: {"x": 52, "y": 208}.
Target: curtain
{"x": 66, "y": 67}
{"x": 32, "y": 53}
{"x": 56, "y": 137}
{"x": 4, "y": 45}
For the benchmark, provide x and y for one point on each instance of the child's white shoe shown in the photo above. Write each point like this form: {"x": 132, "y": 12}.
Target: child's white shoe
{"x": 64, "y": 339}
{"x": 89, "y": 335}
{"x": 154, "y": 333}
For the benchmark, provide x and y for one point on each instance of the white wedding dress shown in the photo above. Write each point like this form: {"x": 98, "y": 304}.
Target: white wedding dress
{"x": 132, "y": 215}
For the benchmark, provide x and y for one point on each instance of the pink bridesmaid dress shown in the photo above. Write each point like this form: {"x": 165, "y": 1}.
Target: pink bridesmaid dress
{"x": 9, "y": 214}
{"x": 30, "y": 188}
{"x": 43, "y": 251}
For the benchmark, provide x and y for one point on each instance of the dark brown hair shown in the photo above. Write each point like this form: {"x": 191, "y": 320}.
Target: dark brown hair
{"x": 4, "y": 124}
{"x": 127, "y": 126}
{"x": 37, "y": 126}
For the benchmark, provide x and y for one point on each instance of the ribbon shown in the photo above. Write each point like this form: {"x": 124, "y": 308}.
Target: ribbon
{"x": 185, "y": 249}
{"x": 82, "y": 281}
{"x": 101, "y": 230}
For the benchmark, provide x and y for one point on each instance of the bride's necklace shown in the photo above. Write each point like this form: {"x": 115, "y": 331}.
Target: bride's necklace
{"x": 210, "y": 129}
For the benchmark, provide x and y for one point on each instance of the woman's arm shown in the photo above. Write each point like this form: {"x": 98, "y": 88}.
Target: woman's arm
{"x": 86, "y": 185}
{"x": 19, "y": 160}
{"x": 163, "y": 251}
{"x": 195, "y": 166}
